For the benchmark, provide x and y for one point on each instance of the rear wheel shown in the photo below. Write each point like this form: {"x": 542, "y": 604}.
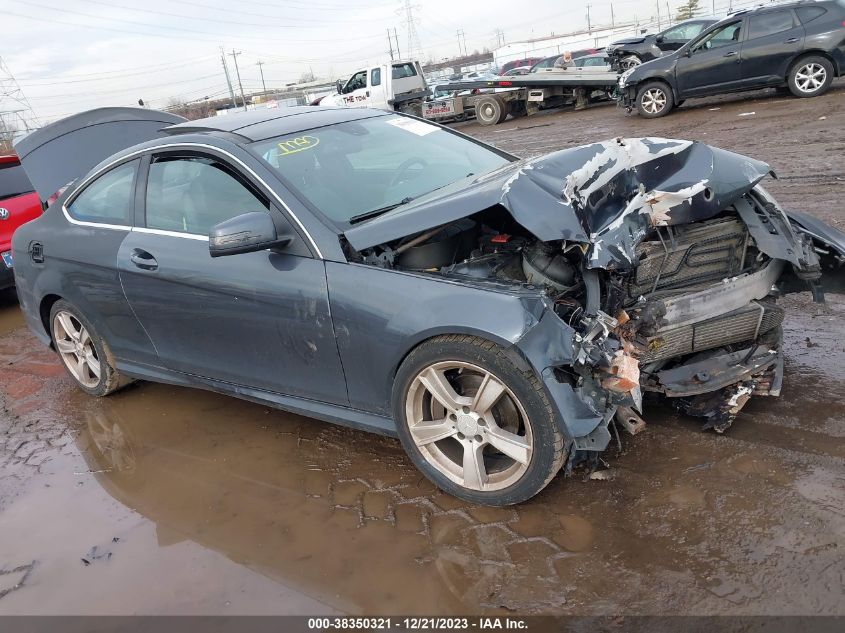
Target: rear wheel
{"x": 490, "y": 110}
{"x": 474, "y": 424}
{"x": 83, "y": 353}
{"x": 810, "y": 76}
{"x": 654, "y": 100}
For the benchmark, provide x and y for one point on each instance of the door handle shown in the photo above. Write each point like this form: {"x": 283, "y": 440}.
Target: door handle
{"x": 731, "y": 54}
{"x": 792, "y": 40}
{"x": 142, "y": 259}
{"x": 368, "y": 93}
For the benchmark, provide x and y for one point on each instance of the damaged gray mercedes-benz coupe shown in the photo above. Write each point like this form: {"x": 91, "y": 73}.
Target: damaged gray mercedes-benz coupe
{"x": 504, "y": 318}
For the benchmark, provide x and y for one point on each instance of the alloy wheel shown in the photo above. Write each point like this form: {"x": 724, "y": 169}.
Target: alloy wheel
{"x": 469, "y": 425}
{"x": 76, "y": 349}
{"x": 810, "y": 77}
{"x": 653, "y": 100}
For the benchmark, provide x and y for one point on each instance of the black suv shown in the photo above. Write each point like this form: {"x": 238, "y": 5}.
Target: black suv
{"x": 800, "y": 45}
{"x": 633, "y": 51}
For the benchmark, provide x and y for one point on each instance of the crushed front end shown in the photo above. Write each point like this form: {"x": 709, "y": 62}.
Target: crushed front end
{"x": 661, "y": 260}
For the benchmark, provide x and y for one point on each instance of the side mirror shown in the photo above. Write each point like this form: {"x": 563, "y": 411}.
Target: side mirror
{"x": 660, "y": 39}
{"x": 244, "y": 233}
{"x": 339, "y": 86}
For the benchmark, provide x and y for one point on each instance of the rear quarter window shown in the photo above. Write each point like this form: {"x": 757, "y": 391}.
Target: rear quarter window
{"x": 109, "y": 199}
{"x": 13, "y": 181}
{"x": 808, "y": 14}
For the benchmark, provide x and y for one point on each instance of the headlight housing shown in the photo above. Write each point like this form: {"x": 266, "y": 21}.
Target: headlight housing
{"x": 623, "y": 78}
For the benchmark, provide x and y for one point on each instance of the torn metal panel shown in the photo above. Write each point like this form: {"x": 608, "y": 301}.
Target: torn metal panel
{"x": 714, "y": 373}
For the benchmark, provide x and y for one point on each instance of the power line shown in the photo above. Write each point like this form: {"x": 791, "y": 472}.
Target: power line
{"x": 169, "y": 28}
{"x": 194, "y": 18}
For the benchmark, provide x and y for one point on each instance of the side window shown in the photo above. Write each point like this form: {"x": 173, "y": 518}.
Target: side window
{"x": 808, "y": 14}
{"x": 375, "y": 77}
{"x": 357, "y": 81}
{"x": 683, "y": 32}
{"x": 723, "y": 36}
{"x": 109, "y": 199}
{"x": 192, "y": 194}
{"x": 769, "y": 23}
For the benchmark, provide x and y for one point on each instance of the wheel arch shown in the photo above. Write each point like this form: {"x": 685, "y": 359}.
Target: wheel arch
{"x": 813, "y": 52}
{"x": 45, "y": 306}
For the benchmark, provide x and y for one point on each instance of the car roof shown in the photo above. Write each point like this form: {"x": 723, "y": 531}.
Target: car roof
{"x": 257, "y": 125}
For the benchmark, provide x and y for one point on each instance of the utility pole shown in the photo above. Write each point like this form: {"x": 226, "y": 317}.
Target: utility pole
{"x": 390, "y": 43}
{"x": 228, "y": 79}
{"x": 396, "y": 37}
{"x": 668, "y": 13}
{"x": 238, "y": 74}
{"x": 613, "y": 18}
{"x": 461, "y": 52}
{"x": 259, "y": 63}
{"x": 659, "y": 27}
{"x": 589, "y": 25}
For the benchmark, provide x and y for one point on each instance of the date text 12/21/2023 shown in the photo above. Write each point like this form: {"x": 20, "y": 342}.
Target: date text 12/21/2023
{"x": 417, "y": 623}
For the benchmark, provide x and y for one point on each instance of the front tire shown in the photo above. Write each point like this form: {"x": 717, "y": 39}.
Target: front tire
{"x": 474, "y": 424}
{"x": 810, "y": 76}
{"x": 654, "y": 100}
{"x": 83, "y": 352}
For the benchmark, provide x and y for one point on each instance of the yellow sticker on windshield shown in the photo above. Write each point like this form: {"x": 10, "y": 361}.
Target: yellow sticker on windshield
{"x": 298, "y": 144}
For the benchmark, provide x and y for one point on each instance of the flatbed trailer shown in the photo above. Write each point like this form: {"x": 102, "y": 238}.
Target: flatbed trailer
{"x": 521, "y": 95}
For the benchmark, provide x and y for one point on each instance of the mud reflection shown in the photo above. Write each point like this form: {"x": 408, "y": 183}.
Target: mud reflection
{"x": 343, "y": 517}
{"x": 11, "y": 316}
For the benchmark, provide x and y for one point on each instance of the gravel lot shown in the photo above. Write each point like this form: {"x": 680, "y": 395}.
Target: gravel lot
{"x": 167, "y": 500}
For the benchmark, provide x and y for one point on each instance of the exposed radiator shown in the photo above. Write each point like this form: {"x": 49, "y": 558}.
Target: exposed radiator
{"x": 699, "y": 255}
{"x": 743, "y": 324}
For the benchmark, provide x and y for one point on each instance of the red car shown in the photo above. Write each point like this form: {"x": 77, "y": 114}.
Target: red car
{"x": 18, "y": 204}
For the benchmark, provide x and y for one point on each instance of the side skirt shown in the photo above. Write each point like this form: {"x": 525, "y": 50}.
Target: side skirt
{"x": 336, "y": 414}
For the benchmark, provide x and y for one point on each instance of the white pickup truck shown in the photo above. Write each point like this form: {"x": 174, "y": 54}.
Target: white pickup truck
{"x": 398, "y": 85}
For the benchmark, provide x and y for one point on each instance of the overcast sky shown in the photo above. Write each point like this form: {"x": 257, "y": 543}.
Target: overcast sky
{"x": 72, "y": 55}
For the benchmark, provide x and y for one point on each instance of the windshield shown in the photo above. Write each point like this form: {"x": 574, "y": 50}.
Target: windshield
{"x": 360, "y": 168}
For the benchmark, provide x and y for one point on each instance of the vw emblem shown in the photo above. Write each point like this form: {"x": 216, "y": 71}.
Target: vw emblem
{"x": 4, "y": 214}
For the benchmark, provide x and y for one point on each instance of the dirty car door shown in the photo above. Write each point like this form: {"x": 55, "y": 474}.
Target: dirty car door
{"x": 254, "y": 319}
{"x": 712, "y": 64}
{"x": 772, "y": 42}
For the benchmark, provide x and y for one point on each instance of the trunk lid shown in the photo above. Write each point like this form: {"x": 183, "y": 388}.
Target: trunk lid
{"x": 65, "y": 150}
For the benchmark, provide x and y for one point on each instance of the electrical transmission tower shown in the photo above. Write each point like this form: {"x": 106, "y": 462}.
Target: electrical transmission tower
{"x": 16, "y": 114}
{"x": 414, "y": 46}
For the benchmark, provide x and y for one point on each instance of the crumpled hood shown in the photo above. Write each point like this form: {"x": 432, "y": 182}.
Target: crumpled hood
{"x": 630, "y": 40}
{"x": 607, "y": 195}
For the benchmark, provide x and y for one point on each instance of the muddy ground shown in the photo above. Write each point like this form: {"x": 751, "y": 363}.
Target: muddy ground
{"x": 168, "y": 500}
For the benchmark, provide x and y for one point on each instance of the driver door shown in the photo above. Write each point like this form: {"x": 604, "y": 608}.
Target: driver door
{"x": 356, "y": 92}
{"x": 259, "y": 320}
{"x": 713, "y": 64}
